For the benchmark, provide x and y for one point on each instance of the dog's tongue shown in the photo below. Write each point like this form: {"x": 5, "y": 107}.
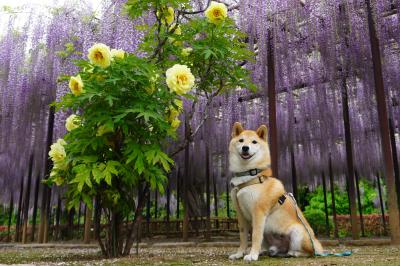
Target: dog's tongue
{"x": 245, "y": 155}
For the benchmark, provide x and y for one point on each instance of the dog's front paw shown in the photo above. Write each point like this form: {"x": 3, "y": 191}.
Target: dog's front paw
{"x": 251, "y": 257}
{"x": 236, "y": 256}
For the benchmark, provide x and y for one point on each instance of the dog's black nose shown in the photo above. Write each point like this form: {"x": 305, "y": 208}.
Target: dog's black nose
{"x": 245, "y": 148}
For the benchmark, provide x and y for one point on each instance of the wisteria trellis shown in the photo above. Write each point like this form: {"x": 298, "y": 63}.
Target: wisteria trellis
{"x": 317, "y": 46}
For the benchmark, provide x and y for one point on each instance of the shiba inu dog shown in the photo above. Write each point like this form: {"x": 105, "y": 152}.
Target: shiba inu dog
{"x": 261, "y": 202}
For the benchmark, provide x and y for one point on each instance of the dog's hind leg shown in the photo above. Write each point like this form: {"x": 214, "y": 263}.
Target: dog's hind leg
{"x": 243, "y": 229}
{"x": 297, "y": 241}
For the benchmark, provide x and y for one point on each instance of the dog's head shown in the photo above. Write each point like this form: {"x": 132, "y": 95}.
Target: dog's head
{"x": 248, "y": 149}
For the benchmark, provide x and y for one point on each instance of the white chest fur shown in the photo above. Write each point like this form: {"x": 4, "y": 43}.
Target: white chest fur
{"x": 247, "y": 198}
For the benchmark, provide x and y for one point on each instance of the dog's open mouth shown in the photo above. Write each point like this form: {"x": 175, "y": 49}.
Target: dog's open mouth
{"x": 246, "y": 156}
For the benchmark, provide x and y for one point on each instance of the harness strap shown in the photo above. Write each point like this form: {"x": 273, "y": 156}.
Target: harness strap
{"x": 257, "y": 180}
{"x": 325, "y": 254}
{"x": 301, "y": 220}
{"x": 282, "y": 199}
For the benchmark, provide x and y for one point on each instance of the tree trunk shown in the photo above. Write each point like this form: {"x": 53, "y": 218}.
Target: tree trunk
{"x": 142, "y": 198}
{"x": 88, "y": 225}
{"x": 35, "y": 205}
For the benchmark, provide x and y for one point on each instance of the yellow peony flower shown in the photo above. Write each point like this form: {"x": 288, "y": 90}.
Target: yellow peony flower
{"x": 186, "y": 51}
{"x": 118, "y": 53}
{"x": 174, "y": 111}
{"x": 100, "y": 55}
{"x": 177, "y": 30}
{"x": 76, "y": 85}
{"x": 171, "y": 15}
{"x": 72, "y": 122}
{"x": 169, "y": 18}
{"x": 174, "y": 42}
{"x": 216, "y": 12}
{"x": 172, "y": 114}
{"x": 180, "y": 79}
{"x": 61, "y": 142}
{"x": 179, "y": 103}
{"x": 57, "y": 152}
{"x": 175, "y": 123}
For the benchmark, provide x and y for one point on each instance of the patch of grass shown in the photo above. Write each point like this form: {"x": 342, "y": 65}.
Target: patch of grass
{"x": 373, "y": 255}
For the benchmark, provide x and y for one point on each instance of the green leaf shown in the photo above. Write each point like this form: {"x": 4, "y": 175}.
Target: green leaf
{"x": 110, "y": 170}
{"x": 97, "y": 175}
{"x": 88, "y": 201}
{"x": 108, "y": 177}
{"x": 139, "y": 164}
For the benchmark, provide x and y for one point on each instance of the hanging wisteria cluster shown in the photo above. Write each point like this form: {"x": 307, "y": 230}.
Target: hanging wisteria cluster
{"x": 321, "y": 50}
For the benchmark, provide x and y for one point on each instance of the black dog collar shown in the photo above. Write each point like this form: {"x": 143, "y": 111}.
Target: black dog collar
{"x": 251, "y": 172}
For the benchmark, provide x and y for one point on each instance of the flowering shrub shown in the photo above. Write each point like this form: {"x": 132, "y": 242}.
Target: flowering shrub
{"x": 126, "y": 109}
{"x": 118, "y": 136}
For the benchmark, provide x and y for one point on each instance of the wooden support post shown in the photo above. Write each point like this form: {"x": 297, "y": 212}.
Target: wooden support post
{"x": 10, "y": 214}
{"x": 355, "y": 226}
{"x": 378, "y": 179}
{"x": 294, "y": 175}
{"x": 26, "y": 203}
{"x": 155, "y": 204}
{"x": 70, "y": 224}
{"x": 359, "y": 204}
{"x": 88, "y": 225}
{"x": 19, "y": 211}
{"x": 332, "y": 185}
{"x": 178, "y": 193}
{"x": 227, "y": 193}
{"x": 57, "y": 232}
{"x": 168, "y": 204}
{"x": 208, "y": 196}
{"x": 148, "y": 216}
{"x": 48, "y": 217}
{"x": 395, "y": 160}
{"x": 185, "y": 225}
{"x": 35, "y": 205}
{"x": 215, "y": 200}
{"x": 394, "y": 222}
{"x": 46, "y": 192}
{"x": 79, "y": 215}
{"x": 273, "y": 134}
{"x": 325, "y": 206}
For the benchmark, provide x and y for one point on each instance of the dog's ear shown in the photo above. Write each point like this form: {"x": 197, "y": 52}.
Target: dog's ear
{"x": 262, "y": 132}
{"x": 237, "y": 129}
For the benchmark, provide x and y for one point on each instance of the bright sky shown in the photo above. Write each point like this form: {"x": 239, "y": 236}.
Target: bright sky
{"x": 40, "y": 5}
{"x": 15, "y": 3}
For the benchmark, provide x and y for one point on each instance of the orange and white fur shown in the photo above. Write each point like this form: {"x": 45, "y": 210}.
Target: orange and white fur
{"x": 257, "y": 205}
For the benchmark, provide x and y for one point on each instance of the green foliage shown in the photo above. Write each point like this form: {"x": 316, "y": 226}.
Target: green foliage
{"x": 222, "y": 212}
{"x": 316, "y": 199}
{"x": 369, "y": 193}
{"x": 314, "y": 211}
{"x": 316, "y": 218}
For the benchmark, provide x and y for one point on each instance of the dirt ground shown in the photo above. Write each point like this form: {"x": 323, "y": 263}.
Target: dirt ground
{"x": 371, "y": 255}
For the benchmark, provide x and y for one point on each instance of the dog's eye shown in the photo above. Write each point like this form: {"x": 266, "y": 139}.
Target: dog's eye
{"x": 241, "y": 140}
{"x": 254, "y": 142}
